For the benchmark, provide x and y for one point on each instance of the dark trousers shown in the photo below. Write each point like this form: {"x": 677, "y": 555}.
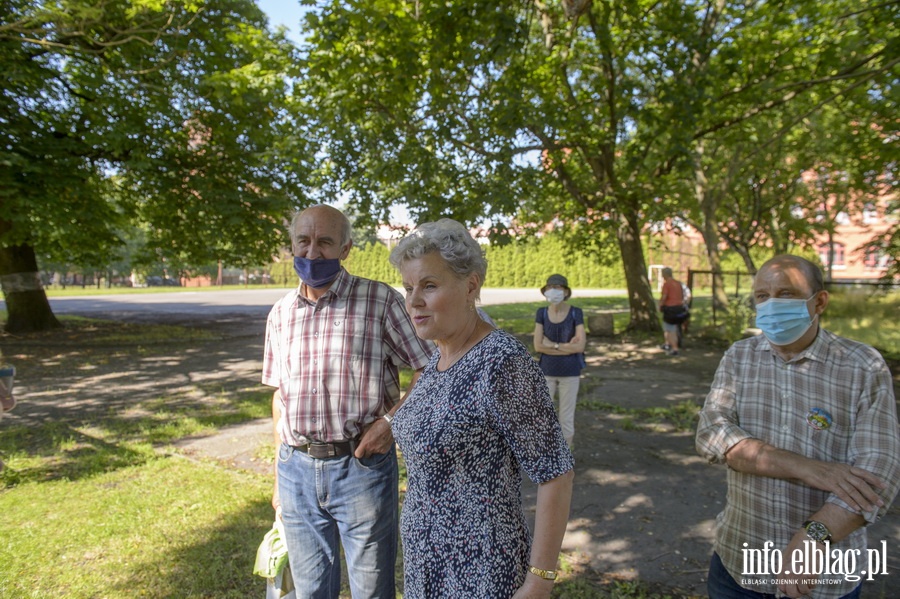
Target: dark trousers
{"x": 721, "y": 585}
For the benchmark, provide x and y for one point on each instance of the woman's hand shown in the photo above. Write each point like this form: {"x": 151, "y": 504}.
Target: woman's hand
{"x": 534, "y": 587}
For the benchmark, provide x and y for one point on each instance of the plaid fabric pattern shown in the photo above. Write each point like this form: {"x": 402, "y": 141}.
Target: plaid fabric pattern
{"x": 755, "y": 394}
{"x": 336, "y": 361}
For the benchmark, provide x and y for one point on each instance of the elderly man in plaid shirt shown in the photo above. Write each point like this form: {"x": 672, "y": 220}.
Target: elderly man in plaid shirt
{"x": 333, "y": 348}
{"x": 807, "y": 424}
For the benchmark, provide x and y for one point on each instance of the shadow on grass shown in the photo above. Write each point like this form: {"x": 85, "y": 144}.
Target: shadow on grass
{"x": 86, "y": 406}
{"x": 219, "y": 565}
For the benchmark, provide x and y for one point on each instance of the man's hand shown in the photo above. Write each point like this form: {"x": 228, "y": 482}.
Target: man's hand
{"x": 806, "y": 578}
{"x": 855, "y": 486}
{"x": 276, "y": 502}
{"x": 376, "y": 439}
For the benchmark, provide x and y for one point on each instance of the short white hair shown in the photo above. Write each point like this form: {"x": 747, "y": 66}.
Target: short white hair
{"x": 451, "y": 240}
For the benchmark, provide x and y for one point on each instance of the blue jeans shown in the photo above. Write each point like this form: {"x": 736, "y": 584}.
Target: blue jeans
{"x": 721, "y": 585}
{"x": 334, "y": 501}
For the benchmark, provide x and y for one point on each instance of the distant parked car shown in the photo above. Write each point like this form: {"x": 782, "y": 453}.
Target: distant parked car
{"x": 155, "y": 281}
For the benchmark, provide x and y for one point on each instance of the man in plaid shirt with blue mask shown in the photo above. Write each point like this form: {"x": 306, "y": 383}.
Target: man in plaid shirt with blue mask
{"x": 806, "y": 422}
{"x": 333, "y": 349}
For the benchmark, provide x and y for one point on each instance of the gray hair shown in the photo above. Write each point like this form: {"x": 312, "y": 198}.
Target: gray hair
{"x": 812, "y": 272}
{"x": 451, "y": 240}
{"x": 667, "y": 272}
{"x": 346, "y": 227}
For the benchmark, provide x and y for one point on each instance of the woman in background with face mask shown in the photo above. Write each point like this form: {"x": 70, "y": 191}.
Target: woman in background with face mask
{"x": 560, "y": 338}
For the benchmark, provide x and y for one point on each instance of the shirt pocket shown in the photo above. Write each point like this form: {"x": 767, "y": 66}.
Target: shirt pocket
{"x": 358, "y": 338}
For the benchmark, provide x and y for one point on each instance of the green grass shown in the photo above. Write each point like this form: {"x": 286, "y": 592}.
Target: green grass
{"x": 579, "y": 588}
{"x": 682, "y": 416}
{"x": 518, "y": 319}
{"x": 867, "y": 317}
{"x": 165, "y": 527}
{"x": 104, "y": 507}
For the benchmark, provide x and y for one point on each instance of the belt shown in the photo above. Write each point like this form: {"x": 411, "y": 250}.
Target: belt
{"x": 327, "y": 450}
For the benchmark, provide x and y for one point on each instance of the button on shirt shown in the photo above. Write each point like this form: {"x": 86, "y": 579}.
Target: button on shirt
{"x": 833, "y": 402}
{"x": 336, "y": 361}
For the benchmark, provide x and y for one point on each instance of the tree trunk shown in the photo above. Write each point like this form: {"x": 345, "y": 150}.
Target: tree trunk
{"x": 640, "y": 297}
{"x": 744, "y": 252}
{"x": 26, "y": 302}
{"x": 709, "y": 204}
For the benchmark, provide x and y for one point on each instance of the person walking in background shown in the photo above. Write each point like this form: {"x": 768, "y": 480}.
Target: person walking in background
{"x": 333, "y": 348}
{"x": 7, "y": 375}
{"x": 560, "y": 338}
{"x": 479, "y": 415}
{"x": 807, "y": 424}
{"x": 674, "y": 311}
{"x": 686, "y": 323}
{"x": 7, "y": 399}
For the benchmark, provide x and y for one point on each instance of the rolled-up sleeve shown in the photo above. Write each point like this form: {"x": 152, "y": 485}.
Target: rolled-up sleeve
{"x": 719, "y": 427}
{"x": 875, "y": 445}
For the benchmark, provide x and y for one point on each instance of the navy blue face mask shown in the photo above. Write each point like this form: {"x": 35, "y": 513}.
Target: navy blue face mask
{"x": 317, "y": 273}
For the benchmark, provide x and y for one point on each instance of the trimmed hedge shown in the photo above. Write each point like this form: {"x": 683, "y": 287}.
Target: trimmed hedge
{"x": 520, "y": 264}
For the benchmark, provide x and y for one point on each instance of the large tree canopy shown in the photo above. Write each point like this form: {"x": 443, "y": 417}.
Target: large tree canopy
{"x": 597, "y": 113}
{"x": 170, "y": 115}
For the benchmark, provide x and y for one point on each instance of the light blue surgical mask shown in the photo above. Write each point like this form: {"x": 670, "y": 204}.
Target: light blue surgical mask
{"x": 782, "y": 320}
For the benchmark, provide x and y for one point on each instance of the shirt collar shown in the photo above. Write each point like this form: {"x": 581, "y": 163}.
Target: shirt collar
{"x": 339, "y": 288}
{"x": 817, "y": 350}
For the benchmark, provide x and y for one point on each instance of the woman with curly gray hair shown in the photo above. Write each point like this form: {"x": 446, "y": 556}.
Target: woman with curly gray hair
{"x": 479, "y": 414}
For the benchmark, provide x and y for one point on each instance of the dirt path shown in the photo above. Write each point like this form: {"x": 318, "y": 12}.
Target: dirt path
{"x": 644, "y": 505}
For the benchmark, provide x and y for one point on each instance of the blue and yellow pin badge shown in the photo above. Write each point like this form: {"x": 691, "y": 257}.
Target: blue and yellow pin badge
{"x": 819, "y": 419}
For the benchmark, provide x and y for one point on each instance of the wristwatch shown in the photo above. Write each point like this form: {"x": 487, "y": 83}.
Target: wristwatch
{"x": 817, "y": 531}
{"x": 556, "y": 346}
{"x": 388, "y": 418}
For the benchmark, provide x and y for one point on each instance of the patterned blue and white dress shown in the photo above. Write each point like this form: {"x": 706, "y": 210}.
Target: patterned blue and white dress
{"x": 465, "y": 434}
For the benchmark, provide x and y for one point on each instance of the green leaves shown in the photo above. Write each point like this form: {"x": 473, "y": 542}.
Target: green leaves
{"x": 173, "y": 116}
{"x": 618, "y": 118}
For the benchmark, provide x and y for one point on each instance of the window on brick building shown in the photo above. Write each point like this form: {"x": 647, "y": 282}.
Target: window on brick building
{"x": 837, "y": 256}
{"x": 870, "y": 214}
{"x": 872, "y": 259}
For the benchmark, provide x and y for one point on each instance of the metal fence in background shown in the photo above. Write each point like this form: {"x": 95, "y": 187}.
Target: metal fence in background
{"x": 739, "y": 284}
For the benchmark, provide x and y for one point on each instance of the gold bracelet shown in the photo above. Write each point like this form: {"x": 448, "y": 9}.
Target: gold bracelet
{"x": 545, "y": 574}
